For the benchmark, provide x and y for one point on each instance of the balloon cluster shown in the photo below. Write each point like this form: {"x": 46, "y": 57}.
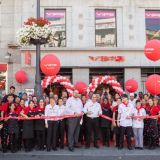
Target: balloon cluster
{"x": 152, "y": 52}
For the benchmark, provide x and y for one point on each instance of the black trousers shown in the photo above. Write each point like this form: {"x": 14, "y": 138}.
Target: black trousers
{"x": 117, "y": 135}
{"x": 153, "y": 133}
{"x": 4, "y": 136}
{"x": 66, "y": 130}
{"x": 60, "y": 133}
{"x": 82, "y": 134}
{"x": 40, "y": 138}
{"x": 13, "y": 141}
{"x": 19, "y": 142}
{"x": 128, "y": 132}
{"x": 52, "y": 134}
{"x": 106, "y": 135}
{"x": 28, "y": 144}
{"x": 92, "y": 125}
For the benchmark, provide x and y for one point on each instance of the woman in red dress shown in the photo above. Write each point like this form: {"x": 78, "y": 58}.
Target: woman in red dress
{"x": 153, "y": 127}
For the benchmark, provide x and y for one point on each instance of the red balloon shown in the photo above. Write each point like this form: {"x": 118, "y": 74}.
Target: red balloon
{"x": 81, "y": 87}
{"x": 152, "y": 50}
{"x": 50, "y": 65}
{"x": 21, "y": 76}
{"x": 131, "y": 86}
{"x": 153, "y": 84}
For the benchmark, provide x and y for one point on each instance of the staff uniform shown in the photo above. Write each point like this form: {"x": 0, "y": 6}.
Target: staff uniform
{"x": 138, "y": 126}
{"x": 125, "y": 110}
{"x": 52, "y": 126}
{"x": 105, "y": 124}
{"x": 116, "y": 128}
{"x": 92, "y": 121}
{"x": 20, "y": 126}
{"x": 153, "y": 127}
{"x": 61, "y": 127}
{"x": 13, "y": 130}
{"x": 28, "y": 129}
{"x": 4, "y": 135}
{"x": 74, "y": 105}
{"x": 146, "y": 127}
{"x": 40, "y": 128}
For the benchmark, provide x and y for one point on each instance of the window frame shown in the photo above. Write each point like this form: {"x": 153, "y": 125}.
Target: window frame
{"x": 151, "y": 10}
{"x": 115, "y": 10}
{"x": 65, "y": 23}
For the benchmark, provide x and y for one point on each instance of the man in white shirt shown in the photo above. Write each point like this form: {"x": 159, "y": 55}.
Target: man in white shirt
{"x": 132, "y": 99}
{"x": 74, "y": 106}
{"x": 125, "y": 111}
{"x": 93, "y": 110}
{"x": 51, "y": 124}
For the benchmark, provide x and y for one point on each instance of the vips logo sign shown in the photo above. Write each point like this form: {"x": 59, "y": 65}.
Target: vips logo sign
{"x": 107, "y": 58}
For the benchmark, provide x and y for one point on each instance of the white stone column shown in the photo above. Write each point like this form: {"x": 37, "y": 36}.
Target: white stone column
{"x": 133, "y": 73}
{"x": 80, "y": 74}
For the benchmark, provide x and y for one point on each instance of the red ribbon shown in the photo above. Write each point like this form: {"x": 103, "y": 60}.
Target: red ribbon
{"x": 72, "y": 116}
{"x": 44, "y": 117}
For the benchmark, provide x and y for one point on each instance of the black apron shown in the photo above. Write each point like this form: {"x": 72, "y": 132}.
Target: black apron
{"x": 13, "y": 124}
{"x": 28, "y": 127}
{"x": 40, "y": 124}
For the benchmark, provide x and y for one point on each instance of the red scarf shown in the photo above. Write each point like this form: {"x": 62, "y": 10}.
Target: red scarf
{"x": 115, "y": 109}
{"x": 103, "y": 105}
{"x": 40, "y": 108}
{"x": 138, "y": 109}
{"x": 126, "y": 104}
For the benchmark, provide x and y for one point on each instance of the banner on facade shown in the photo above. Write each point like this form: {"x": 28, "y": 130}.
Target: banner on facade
{"x": 152, "y": 18}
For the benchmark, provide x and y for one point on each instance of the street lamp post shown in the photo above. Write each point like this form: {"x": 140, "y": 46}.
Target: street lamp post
{"x": 38, "y": 88}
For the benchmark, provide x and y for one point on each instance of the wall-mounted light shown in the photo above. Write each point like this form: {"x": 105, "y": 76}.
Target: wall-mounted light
{"x": 8, "y": 57}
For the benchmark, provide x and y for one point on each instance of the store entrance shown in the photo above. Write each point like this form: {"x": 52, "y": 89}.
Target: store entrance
{"x": 117, "y": 73}
{"x": 56, "y": 88}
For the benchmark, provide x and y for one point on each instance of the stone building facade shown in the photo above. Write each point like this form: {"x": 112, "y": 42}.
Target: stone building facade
{"x": 97, "y": 32}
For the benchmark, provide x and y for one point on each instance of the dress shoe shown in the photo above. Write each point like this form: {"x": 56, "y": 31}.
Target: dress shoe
{"x": 55, "y": 149}
{"x": 120, "y": 148}
{"x": 87, "y": 147}
{"x": 141, "y": 148}
{"x": 130, "y": 148}
{"x": 136, "y": 147}
{"x": 48, "y": 149}
{"x": 71, "y": 149}
{"x": 152, "y": 147}
{"x": 13, "y": 151}
{"x": 77, "y": 146}
{"x": 96, "y": 146}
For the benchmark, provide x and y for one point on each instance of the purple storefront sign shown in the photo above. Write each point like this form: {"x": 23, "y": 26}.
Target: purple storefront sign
{"x": 152, "y": 14}
{"x": 104, "y": 14}
{"x": 49, "y": 14}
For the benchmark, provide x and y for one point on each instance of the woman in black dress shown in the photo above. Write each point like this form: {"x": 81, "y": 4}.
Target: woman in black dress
{"x": 40, "y": 125}
{"x": 114, "y": 122}
{"x": 104, "y": 123}
{"x": 13, "y": 128}
{"x": 28, "y": 126}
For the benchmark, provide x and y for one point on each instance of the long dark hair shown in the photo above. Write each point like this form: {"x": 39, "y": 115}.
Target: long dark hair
{"x": 8, "y": 109}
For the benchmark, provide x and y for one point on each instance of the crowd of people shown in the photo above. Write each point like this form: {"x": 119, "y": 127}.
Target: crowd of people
{"x": 125, "y": 119}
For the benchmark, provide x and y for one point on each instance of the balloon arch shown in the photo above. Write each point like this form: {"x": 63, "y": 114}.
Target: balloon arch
{"x": 105, "y": 80}
{"x": 58, "y": 79}
{"x": 92, "y": 87}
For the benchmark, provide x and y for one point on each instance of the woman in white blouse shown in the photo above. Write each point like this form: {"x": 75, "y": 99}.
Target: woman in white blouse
{"x": 138, "y": 125}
